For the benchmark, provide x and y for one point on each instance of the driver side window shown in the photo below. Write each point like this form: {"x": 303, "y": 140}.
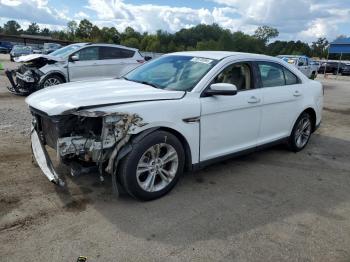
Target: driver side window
{"x": 238, "y": 74}
{"x": 89, "y": 53}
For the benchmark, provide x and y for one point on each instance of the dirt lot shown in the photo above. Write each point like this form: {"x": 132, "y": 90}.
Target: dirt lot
{"x": 268, "y": 206}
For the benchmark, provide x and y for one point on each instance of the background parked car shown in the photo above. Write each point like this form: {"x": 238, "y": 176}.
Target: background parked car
{"x": 50, "y": 47}
{"x": 5, "y": 47}
{"x": 37, "y": 50}
{"x": 19, "y": 50}
{"x": 302, "y": 63}
{"x": 317, "y": 64}
{"x": 334, "y": 68}
{"x": 76, "y": 62}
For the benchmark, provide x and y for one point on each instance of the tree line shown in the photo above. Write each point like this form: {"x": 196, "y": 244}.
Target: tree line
{"x": 200, "y": 37}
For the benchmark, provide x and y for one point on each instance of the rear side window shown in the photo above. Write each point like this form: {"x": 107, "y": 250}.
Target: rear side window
{"x": 273, "y": 74}
{"x": 115, "y": 53}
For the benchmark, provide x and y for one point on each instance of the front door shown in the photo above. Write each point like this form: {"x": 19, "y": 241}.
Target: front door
{"x": 86, "y": 68}
{"x": 231, "y": 123}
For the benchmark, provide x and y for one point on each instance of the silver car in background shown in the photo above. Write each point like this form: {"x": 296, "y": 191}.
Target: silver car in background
{"x": 76, "y": 62}
{"x": 20, "y": 50}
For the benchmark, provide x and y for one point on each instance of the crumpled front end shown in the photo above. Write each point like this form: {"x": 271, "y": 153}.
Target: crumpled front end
{"x": 85, "y": 140}
{"x": 24, "y": 80}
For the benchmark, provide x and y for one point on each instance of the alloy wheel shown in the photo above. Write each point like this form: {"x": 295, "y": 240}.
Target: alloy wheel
{"x": 303, "y": 132}
{"x": 157, "y": 167}
{"x": 51, "y": 82}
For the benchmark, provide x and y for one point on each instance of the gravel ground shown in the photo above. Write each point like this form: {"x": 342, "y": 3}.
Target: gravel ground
{"x": 268, "y": 206}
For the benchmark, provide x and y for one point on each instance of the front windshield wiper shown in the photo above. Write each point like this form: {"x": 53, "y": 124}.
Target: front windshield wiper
{"x": 142, "y": 82}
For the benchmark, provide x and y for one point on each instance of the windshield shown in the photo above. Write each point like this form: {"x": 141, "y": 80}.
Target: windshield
{"x": 65, "y": 51}
{"x": 19, "y": 47}
{"x": 179, "y": 73}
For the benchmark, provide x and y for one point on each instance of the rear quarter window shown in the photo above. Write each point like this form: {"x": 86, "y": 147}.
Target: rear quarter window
{"x": 273, "y": 74}
{"x": 115, "y": 53}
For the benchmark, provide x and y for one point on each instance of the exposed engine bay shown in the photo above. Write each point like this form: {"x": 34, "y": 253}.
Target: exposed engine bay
{"x": 26, "y": 79}
{"x": 86, "y": 139}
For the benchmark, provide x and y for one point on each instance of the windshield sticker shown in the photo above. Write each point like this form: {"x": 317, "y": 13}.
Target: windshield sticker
{"x": 201, "y": 60}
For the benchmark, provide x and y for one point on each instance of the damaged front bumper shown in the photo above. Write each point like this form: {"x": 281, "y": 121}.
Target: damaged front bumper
{"x": 22, "y": 84}
{"x": 43, "y": 159}
{"x": 84, "y": 150}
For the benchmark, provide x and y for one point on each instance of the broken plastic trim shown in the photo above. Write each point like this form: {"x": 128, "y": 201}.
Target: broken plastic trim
{"x": 115, "y": 134}
{"x": 43, "y": 159}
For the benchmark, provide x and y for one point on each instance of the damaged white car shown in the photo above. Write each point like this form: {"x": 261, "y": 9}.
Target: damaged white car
{"x": 76, "y": 62}
{"x": 179, "y": 112}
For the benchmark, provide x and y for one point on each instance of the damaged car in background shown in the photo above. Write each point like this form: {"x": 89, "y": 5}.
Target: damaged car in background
{"x": 76, "y": 62}
{"x": 179, "y": 112}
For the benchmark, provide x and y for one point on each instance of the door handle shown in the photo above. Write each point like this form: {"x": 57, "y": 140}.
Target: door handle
{"x": 296, "y": 93}
{"x": 253, "y": 100}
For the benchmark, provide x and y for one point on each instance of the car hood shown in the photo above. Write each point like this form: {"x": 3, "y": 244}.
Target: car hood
{"x": 66, "y": 98}
{"x": 31, "y": 57}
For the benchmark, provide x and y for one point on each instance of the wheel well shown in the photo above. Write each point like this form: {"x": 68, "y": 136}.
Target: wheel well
{"x": 312, "y": 113}
{"x": 57, "y": 74}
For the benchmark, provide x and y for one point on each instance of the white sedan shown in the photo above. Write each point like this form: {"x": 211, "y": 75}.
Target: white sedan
{"x": 179, "y": 112}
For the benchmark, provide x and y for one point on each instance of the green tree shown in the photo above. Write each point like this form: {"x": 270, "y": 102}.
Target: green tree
{"x": 33, "y": 29}
{"x": 265, "y": 33}
{"x": 131, "y": 42}
{"x": 95, "y": 34}
{"x": 84, "y": 29}
{"x": 12, "y": 28}
{"x": 110, "y": 35}
{"x": 207, "y": 45}
{"x": 72, "y": 27}
{"x": 319, "y": 47}
{"x": 45, "y": 31}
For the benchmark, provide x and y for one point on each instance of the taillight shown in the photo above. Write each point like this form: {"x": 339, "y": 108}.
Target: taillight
{"x": 140, "y": 61}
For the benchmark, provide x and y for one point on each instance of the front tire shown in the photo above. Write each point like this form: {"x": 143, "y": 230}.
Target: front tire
{"x": 153, "y": 167}
{"x": 52, "y": 80}
{"x": 301, "y": 132}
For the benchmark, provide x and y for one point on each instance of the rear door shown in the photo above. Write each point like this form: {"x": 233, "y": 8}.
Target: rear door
{"x": 117, "y": 61}
{"x": 281, "y": 93}
{"x": 86, "y": 68}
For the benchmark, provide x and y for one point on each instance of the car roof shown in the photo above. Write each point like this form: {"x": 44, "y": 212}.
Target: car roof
{"x": 293, "y": 56}
{"x": 218, "y": 55}
{"x": 112, "y": 45}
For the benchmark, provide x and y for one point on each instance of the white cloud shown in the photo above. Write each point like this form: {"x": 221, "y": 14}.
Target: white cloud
{"x": 295, "y": 19}
{"x": 81, "y": 15}
{"x": 153, "y": 17}
{"x": 32, "y": 10}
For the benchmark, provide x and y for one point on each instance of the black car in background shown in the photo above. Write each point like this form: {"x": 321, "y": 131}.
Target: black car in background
{"x": 5, "y": 47}
{"x": 334, "y": 68}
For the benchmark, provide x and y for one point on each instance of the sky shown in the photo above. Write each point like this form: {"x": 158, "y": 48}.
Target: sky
{"x": 304, "y": 20}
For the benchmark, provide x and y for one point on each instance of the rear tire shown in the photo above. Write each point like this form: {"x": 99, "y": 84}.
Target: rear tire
{"x": 301, "y": 133}
{"x": 313, "y": 75}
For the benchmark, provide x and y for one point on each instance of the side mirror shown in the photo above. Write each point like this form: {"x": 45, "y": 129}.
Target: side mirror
{"x": 300, "y": 64}
{"x": 221, "y": 89}
{"x": 147, "y": 58}
{"x": 74, "y": 58}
